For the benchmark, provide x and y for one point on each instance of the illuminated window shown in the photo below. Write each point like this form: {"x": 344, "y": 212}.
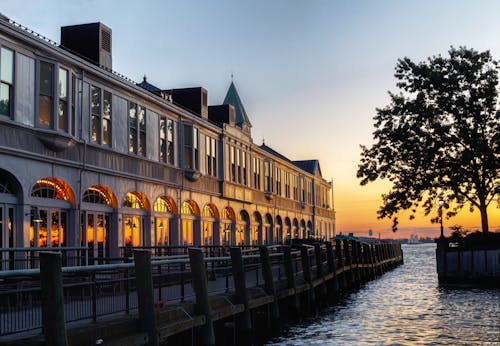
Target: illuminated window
{"x": 131, "y": 200}
{"x": 164, "y": 205}
{"x": 96, "y": 196}
{"x": 208, "y": 211}
{"x": 49, "y": 188}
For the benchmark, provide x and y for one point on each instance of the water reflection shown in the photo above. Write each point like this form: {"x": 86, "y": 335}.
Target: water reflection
{"x": 405, "y": 307}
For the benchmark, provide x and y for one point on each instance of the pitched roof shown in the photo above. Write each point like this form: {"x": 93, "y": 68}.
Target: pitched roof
{"x": 274, "y": 152}
{"x": 310, "y": 166}
{"x": 149, "y": 87}
{"x": 233, "y": 98}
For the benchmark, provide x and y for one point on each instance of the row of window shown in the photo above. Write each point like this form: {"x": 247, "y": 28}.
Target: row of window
{"x": 57, "y": 94}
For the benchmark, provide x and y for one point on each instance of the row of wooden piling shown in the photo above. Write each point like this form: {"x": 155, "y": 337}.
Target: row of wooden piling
{"x": 339, "y": 267}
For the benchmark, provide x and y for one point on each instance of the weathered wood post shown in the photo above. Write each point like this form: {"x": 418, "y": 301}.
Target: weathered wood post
{"x": 269, "y": 287}
{"x": 348, "y": 262}
{"x": 240, "y": 287}
{"x": 145, "y": 295}
{"x": 306, "y": 270}
{"x": 341, "y": 263}
{"x": 320, "y": 272}
{"x": 200, "y": 286}
{"x": 290, "y": 277}
{"x": 54, "y": 327}
{"x": 333, "y": 284}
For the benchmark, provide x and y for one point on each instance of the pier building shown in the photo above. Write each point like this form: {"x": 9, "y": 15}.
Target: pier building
{"x": 90, "y": 158}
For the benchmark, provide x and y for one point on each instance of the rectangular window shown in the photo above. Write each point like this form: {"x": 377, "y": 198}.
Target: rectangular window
{"x": 46, "y": 96}
{"x": 73, "y": 107}
{"x": 62, "y": 119}
{"x": 214, "y": 156}
{"x": 238, "y": 165}
{"x": 106, "y": 118}
{"x": 277, "y": 177}
{"x": 211, "y": 156}
{"x": 6, "y": 81}
{"x": 191, "y": 148}
{"x": 170, "y": 142}
{"x": 132, "y": 127}
{"x": 188, "y": 146}
{"x": 195, "y": 149}
{"x": 141, "y": 112}
{"x": 95, "y": 117}
{"x": 287, "y": 184}
{"x": 163, "y": 139}
{"x": 256, "y": 173}
{"x": 233, "y": 163}
{"x": 100, "y": 116}
{"x": 295, "y": 187}
{"x": 267, "y": 176}
{"x": 244, "y": 166}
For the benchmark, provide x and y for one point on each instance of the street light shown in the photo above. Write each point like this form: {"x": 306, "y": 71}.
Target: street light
{"x": 441, "y": 203}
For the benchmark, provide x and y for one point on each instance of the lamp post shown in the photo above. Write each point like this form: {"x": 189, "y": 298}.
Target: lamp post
{"x": 441, "y": 203}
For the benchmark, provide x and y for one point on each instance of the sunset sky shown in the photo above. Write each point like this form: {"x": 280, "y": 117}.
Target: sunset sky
{"x": 310, "y": 73}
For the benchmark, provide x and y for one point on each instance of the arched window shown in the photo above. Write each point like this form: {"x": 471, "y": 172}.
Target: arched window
{"x": 164, "y": 205}
{"x": 50, "y": 188}
{"x": 96, "y": 195}
{"x": 187, "y": 209}
{"x": 208, "y": 211}
{"x": 132, "y": 200}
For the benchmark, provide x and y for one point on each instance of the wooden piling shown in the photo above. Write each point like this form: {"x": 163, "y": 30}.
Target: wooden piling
{"x": 269, "y": 287}
{"x": 200, "y": 286}
{"x": 306, "y": 270}
{"x": 145, "y": 295}
{"x": 290, "y": 277}
{"x": 244, "y": 321}
{"x": 54, "y": 327}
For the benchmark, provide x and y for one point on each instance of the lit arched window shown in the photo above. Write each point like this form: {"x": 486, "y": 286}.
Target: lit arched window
{"x": 49, "y": 188}
{"x": 208, "y": 211}
{"x": 187, "y": 208}
{"x": 95, "y": 195}
{"x": 164, "y": 205}
{"x": 131, "y": 200}
{"x": 228, "y": 213}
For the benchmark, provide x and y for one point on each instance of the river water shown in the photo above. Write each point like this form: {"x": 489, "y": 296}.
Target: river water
{"x": 405, "y": 307}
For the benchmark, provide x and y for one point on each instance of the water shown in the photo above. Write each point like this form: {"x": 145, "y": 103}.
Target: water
{"x": 405, "y": 307}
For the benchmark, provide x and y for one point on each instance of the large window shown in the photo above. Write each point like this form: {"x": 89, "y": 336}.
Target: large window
{"x": 267, "y": 176}
{"x": 6, "y": 81}
{"x": 256, "y": 173}
{"x": 244, "y": 167}
{"x": 46, "y": 96}
{"x": 167, "y": 140}
{"x": 211, "y": 156}
{"x": 191, "y": 148}
{"x": 233, "y": 163}
{"x": 101, "y": 116}
{"x": 287, "y": 184}
{"x": 277, "y": 177}
{"x": 62, "y": 119}
{"x": 137, "y": 129}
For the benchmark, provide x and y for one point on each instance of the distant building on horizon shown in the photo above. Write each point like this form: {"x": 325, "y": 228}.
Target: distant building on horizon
{"x": 89, "y": 158}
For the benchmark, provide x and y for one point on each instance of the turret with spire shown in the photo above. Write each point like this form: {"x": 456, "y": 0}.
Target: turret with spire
{"x": 233, "y": 98}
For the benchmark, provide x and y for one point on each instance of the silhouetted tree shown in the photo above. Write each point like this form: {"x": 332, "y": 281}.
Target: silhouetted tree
{"x": 439, "y": 138}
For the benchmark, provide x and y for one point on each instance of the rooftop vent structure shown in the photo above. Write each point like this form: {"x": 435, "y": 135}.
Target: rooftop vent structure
{"x": 91, "y": 41}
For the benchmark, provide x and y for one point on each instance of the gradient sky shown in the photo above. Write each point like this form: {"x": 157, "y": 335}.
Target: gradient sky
{"x": 310, "y": 73}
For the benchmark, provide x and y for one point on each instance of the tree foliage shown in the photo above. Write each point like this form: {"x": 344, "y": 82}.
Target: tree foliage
{"x": 439, "y": 138}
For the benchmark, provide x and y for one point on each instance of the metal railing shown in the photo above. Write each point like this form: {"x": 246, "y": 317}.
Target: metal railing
{"x": 91, "y": 292}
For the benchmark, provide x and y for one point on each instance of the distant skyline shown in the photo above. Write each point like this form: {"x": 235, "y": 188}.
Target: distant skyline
{"x": 310, "y": 73}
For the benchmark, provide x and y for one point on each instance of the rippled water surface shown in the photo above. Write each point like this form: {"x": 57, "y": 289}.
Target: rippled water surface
{"x": 405, "y": 307}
